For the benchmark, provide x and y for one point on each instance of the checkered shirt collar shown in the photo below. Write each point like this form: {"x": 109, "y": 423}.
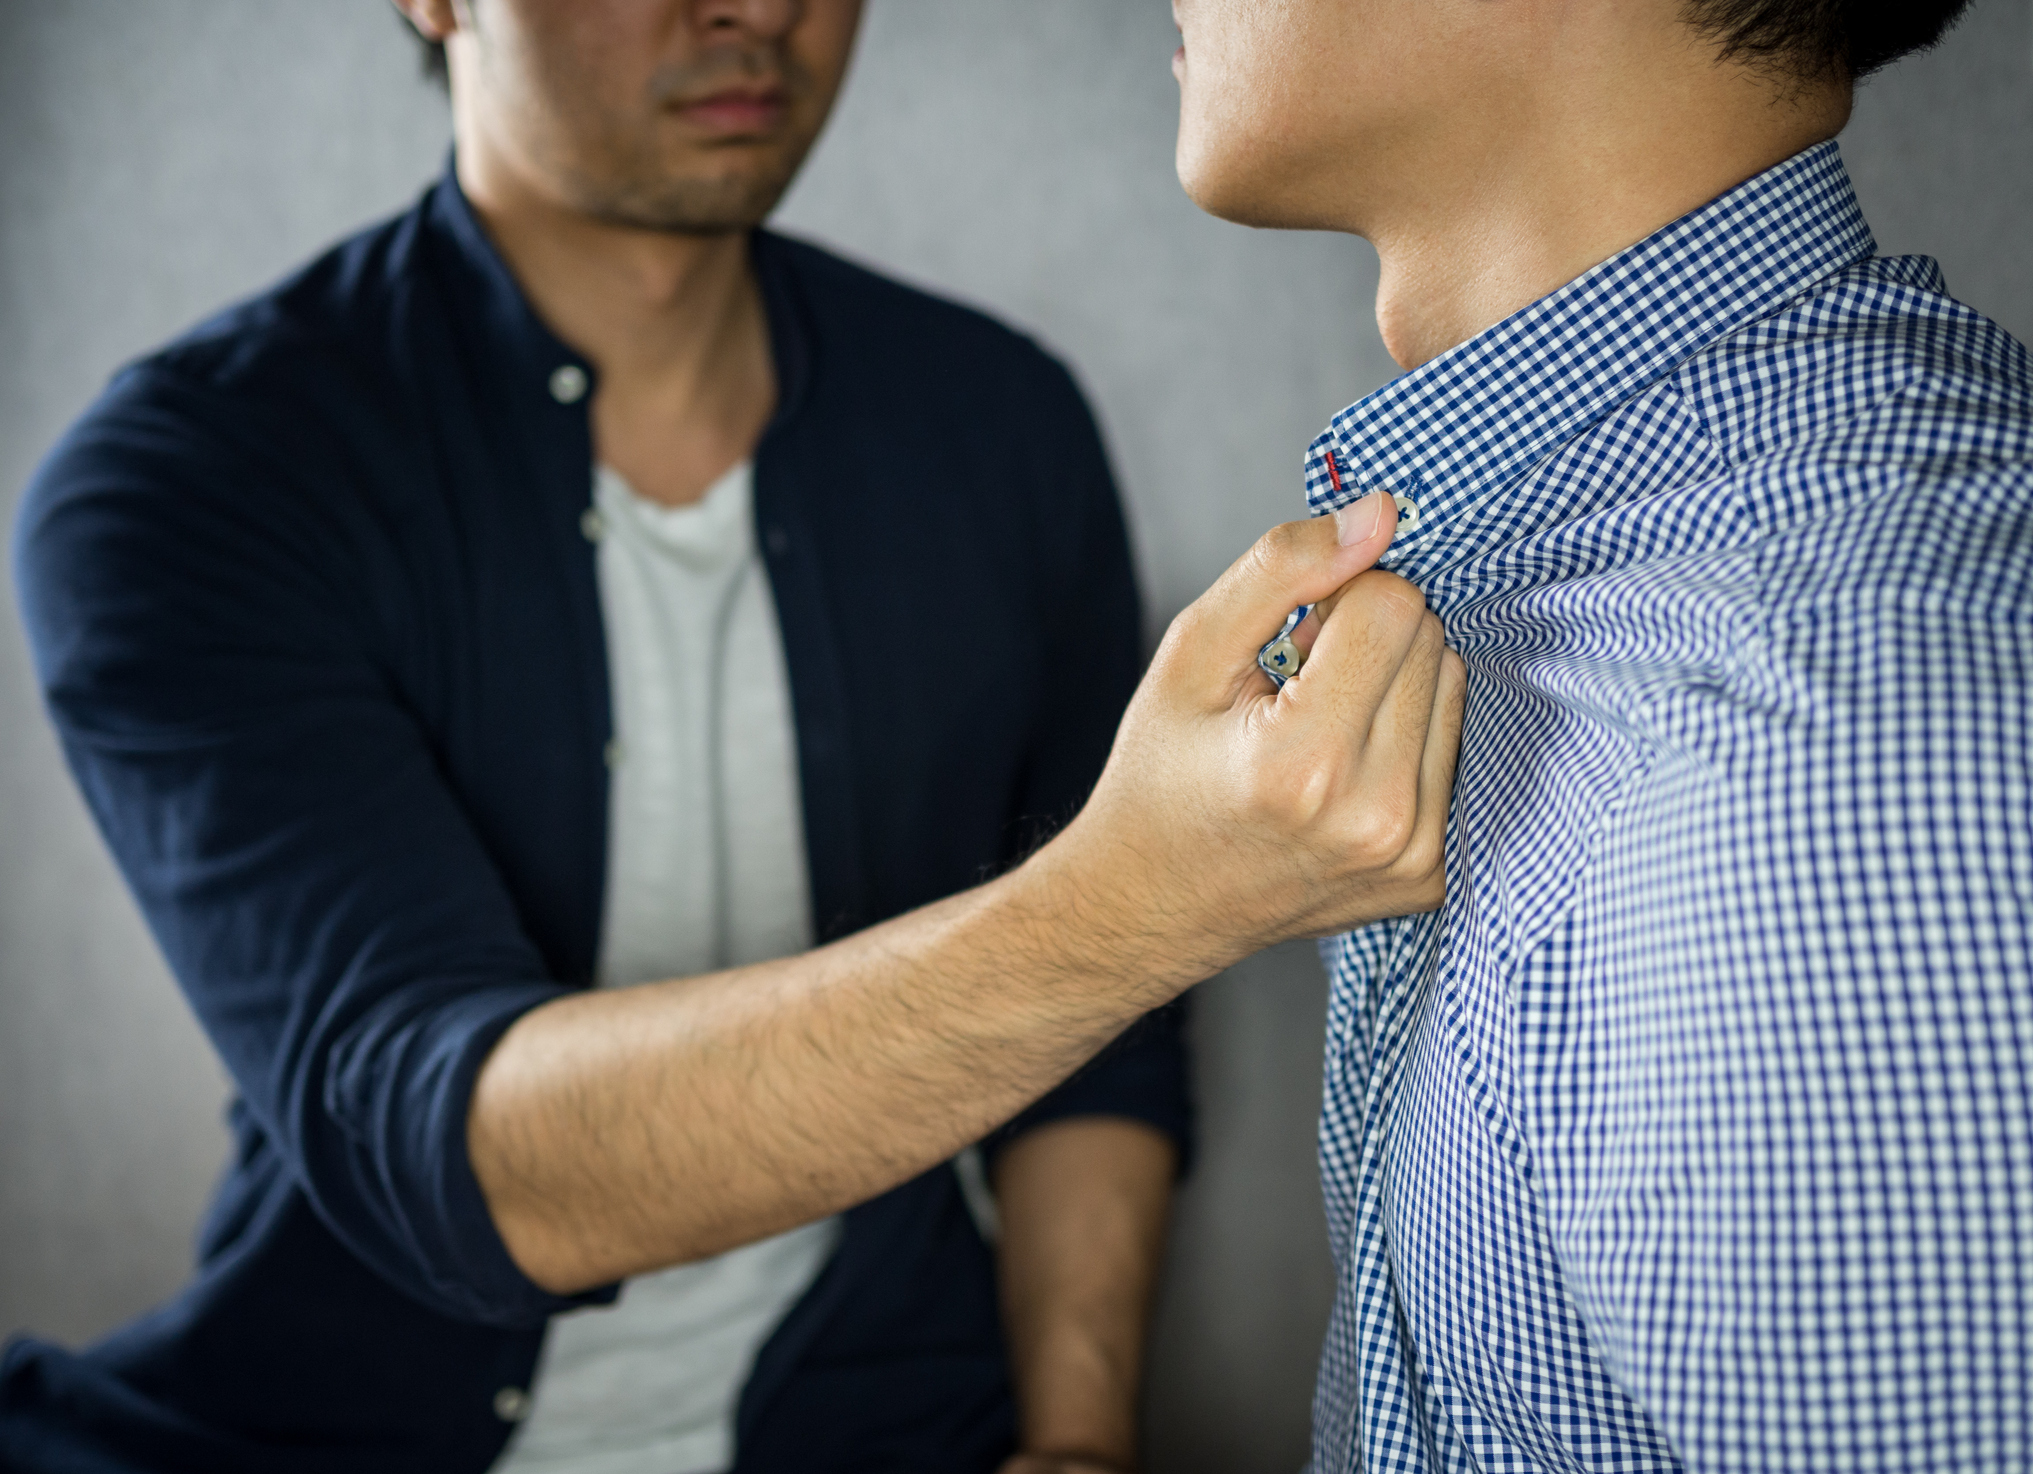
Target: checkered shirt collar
{"x": 1448, "y": 435}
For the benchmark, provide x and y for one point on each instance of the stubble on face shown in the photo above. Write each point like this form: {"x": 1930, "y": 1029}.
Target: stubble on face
{"x": 628, "y": 170}
{"x": 703, "y": 142}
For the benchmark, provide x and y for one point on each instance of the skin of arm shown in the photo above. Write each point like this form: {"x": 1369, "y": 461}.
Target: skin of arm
{"x": 620, "y": 1131}
{"x": 1084, "y": 1204}
{"x": 618, "y": 152}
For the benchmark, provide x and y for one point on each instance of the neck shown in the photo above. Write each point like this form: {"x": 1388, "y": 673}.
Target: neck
{"x": 1567, "y": 181}
{"x": 673, "y": 325}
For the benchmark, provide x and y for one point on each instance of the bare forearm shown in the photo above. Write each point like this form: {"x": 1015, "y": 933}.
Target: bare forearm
{"x": 619, "y": 1131}
{"x": 1083, "y": 1205}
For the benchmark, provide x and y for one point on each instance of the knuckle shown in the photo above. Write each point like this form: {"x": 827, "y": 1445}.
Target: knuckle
{"x": 1280, "y": 547}
{"x": 1272, "y": 559}
{"x": 1391, "y": 599}
{"x": 1454, "y": 672}
{"x": 1425, "y": 853}
{"x": 1181, "y": 635}
{"x": 1381, "y": 829}
{"x": 1293, "y": 798}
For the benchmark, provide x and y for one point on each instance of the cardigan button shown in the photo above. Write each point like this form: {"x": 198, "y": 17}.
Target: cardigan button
{"x": 568, "y": 383}
{"x": 511, "y": 1404}
{"x": 592, "y": 526}
{"x": 777, "y": 539}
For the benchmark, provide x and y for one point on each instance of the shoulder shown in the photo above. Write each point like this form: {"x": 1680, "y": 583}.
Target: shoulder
{"x": 282, "y": 379}
{"x": 220, "y": 451}
{"x": 1877, "y": 365}
{"x": 940, "y": 427}
{"x": 913, "y": 339}
{"x": 256, "y": 386}
{"x": 336, "y": 315}
{"x": 1873, "y": 494}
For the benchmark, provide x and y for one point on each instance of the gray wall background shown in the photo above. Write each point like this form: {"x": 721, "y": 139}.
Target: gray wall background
{"x": 158, "y": 159}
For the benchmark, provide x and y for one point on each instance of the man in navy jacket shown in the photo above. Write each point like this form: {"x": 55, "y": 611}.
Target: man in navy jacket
{"x": 313, "y": 597}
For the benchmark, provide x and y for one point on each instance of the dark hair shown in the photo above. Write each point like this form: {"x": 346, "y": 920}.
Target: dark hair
{"x": 1812, "y": 39}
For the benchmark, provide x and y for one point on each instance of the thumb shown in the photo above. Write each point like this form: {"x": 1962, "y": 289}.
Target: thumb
{"x": 1294, "y": 563}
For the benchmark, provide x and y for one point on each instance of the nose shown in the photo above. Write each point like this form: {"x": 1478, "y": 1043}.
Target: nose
{"x": 764, "y": 19}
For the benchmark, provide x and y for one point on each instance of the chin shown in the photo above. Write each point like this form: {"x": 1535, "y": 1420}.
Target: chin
{"x": 1212, "y": 178}
{"x": 688, "y": 190}
{"x": 1243, "y": 184}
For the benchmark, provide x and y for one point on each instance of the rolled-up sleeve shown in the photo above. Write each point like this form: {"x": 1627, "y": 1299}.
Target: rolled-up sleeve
{"x": 1095, "y": 657}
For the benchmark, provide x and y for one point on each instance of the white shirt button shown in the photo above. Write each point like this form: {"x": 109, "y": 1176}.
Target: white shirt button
{"x": 568, "y": 383}
{"x": 615, "y": 753}
{"x": 592, "y": 526}
{"x": 511, "y": 1404}
{"x": 1408, "y": 512}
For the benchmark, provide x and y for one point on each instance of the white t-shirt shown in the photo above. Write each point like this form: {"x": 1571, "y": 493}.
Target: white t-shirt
{"x": 706, "y": 869}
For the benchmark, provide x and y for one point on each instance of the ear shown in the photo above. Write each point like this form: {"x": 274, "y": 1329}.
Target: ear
{"x": 434, "y": 19}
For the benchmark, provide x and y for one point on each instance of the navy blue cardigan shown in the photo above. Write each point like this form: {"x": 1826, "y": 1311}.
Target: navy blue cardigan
{"x": 316, "y": 621}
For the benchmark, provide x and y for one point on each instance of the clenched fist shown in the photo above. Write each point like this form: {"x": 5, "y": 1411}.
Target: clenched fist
{"x": 1233, "y": 814}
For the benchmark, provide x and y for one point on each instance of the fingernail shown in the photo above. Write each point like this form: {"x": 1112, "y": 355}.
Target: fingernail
{"x": 1357, "y": 522}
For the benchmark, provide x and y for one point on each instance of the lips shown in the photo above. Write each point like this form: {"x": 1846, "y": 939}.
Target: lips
{"x": 737, "y": 110}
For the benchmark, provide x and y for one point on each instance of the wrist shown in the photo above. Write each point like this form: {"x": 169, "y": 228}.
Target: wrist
{"x": 1112, "y": 923}
{"x": 1066, "y": 1461}
{"x": 1095, "y": 1440}
{"x": 1027, "y": 1462}
{"x": 1076, "y": 1378}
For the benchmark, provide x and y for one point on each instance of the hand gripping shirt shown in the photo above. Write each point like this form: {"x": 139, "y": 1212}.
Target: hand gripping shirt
{"x": 1696, "y": 1131}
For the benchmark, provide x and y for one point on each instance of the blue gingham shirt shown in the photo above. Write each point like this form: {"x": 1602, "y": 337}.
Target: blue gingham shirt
{"x": 1697, "y": 1130}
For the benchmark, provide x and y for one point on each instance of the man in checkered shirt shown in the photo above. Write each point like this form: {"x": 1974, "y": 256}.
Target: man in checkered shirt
{"x": 1696, "y": 1132}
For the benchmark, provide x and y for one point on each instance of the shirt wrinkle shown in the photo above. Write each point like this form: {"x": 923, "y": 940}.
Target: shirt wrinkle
{"x": 1696, "y": 1131}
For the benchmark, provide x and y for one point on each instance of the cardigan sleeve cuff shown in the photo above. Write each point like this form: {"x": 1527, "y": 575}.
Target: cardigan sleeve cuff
{"x": 1142, "y": 1076}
